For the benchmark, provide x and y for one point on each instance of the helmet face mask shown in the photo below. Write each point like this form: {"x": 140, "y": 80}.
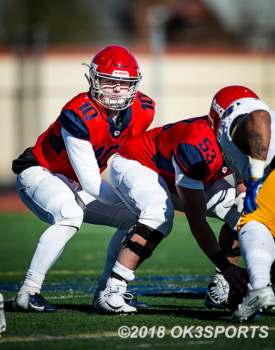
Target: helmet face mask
{"x": 117, "y": 64}
{"x": 223, "y": 99}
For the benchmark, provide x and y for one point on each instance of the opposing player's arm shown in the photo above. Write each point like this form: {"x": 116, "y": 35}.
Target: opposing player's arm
{"x": 252, "y": 134}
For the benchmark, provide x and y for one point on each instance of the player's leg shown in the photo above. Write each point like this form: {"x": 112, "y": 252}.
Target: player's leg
{"x": 147, "y": 195}
{"x": 53, "y": 201}
{"x": 99, "y": 213}
{"x": 258, "y": 251}
{"x": 217, "y": 195}
{"x": 256, "y": 238}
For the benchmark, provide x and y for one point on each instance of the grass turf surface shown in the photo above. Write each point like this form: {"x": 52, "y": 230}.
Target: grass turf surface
{"x": 172, "y": 281}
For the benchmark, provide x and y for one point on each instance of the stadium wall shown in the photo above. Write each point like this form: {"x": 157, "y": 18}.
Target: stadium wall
{"x": 34, "y": 88}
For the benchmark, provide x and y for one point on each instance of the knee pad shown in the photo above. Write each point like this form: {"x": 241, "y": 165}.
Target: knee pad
{"x": 71, "y": 215}
{"x": 150, "y": 235}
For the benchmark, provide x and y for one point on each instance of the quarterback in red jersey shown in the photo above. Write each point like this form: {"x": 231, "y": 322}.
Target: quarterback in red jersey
{"x": 185, "y": 158}
{"x": 86, "y": 120}
{"x": 59, "y": 178}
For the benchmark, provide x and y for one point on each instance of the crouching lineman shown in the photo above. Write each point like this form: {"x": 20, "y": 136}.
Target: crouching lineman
{"x": 246, "y": 133}
{"x": 184, "y": 159}
{"x": 59, "y": 178}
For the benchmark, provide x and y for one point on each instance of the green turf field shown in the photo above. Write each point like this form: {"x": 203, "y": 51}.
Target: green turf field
{"x": 173, "y": 281}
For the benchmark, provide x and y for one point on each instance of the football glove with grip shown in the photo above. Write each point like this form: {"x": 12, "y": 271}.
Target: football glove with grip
{"x": 252, "y": 190}
{"x": 236, "y": 202}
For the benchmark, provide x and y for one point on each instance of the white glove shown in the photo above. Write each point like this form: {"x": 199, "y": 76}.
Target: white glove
{"x": 236, "y": 202}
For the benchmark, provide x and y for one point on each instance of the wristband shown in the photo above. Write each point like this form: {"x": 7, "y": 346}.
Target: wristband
{"x": 221, "y": 261}
{"x": 256, "y": 168}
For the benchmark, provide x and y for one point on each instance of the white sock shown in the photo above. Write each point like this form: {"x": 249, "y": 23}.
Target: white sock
{"x": 29, "y": 289}
{"x": 124, "y": 272}
{"x": 258, "y": 251}
{"x": 112, "y": 254}
{"x": 48, "y": 250}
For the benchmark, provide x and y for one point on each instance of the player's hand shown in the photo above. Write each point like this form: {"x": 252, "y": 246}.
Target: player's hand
{"x": 252, "y": 190}
{"x": 237, "y": 202}
{"x": 237, "y": 278}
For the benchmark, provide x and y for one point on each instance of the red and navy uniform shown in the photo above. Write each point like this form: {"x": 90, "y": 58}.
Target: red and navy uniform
{"x": 191, "y": 142}
{"x": 85, "y": 119}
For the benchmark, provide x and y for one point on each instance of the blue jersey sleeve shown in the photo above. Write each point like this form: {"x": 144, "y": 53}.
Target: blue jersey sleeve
{"x": 74, "y": 124}
{"x": 191, "y": 161}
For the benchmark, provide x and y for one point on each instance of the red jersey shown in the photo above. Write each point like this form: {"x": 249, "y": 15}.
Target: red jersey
{"x": 85, "y": 119}
{"x": 191, "y": 142}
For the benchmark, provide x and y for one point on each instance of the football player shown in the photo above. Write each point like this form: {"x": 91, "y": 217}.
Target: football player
{"x": 245, "y": 128}
{"x": 182, "y": 159}
{"x": 59, "y": 177}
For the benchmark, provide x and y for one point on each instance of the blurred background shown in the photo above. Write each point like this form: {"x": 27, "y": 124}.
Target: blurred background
{"x": 187, "y": 51}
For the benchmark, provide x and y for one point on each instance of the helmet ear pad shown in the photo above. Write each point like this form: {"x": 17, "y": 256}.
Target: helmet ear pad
{"x": 223, "y": 99}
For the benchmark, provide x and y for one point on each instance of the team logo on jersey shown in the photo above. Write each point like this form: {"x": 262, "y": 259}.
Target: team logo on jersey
{"x": 116, "y": 133}
{"x": 224, "y": 169}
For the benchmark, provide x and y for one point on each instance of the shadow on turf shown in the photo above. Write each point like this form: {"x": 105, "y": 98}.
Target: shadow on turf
{"x": 178, "y": 295}
{"x": 199, "y": 312}
{"x": 80, "y": 308}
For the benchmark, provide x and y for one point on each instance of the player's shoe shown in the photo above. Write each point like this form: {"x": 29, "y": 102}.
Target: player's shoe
{"x": 112, "y": 300}
{"x": 32, "y": 302}
{"x": 137, "y": 303}
{"x": 132, "y": 302}
{"x": 2, "y": 316}
{"x": 256, "y": 300}
{"x": 218, "y": 290}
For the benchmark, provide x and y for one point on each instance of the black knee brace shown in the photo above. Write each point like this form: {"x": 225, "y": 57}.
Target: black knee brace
{"x": 146, "y": 232}
{"x": 227, "y": 246}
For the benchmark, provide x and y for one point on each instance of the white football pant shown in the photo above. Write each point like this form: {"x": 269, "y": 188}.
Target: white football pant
{"x": 62, "y": 203}
{"x": 258, "y": 251}
{"x": 147, "y": 196}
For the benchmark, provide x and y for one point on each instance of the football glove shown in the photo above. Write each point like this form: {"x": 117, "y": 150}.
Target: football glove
{"x": 252, "y": 190}
{"x": 236, "y": 202}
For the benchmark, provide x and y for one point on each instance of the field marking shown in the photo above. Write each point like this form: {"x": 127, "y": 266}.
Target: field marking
{"x": 89, "y": 273}
{"x": 142, "y": 285}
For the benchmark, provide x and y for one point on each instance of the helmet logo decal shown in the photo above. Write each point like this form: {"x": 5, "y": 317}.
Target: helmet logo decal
{"x": 217, "y": 108}
{"x": 120, "y": 73}
{"x": 228, "y": 112}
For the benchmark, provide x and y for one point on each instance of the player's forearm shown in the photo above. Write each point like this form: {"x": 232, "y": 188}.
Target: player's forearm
{"x": 194, "y": 204}
{"x": 204, "y": 236}
{"x": 208, "y": 243}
